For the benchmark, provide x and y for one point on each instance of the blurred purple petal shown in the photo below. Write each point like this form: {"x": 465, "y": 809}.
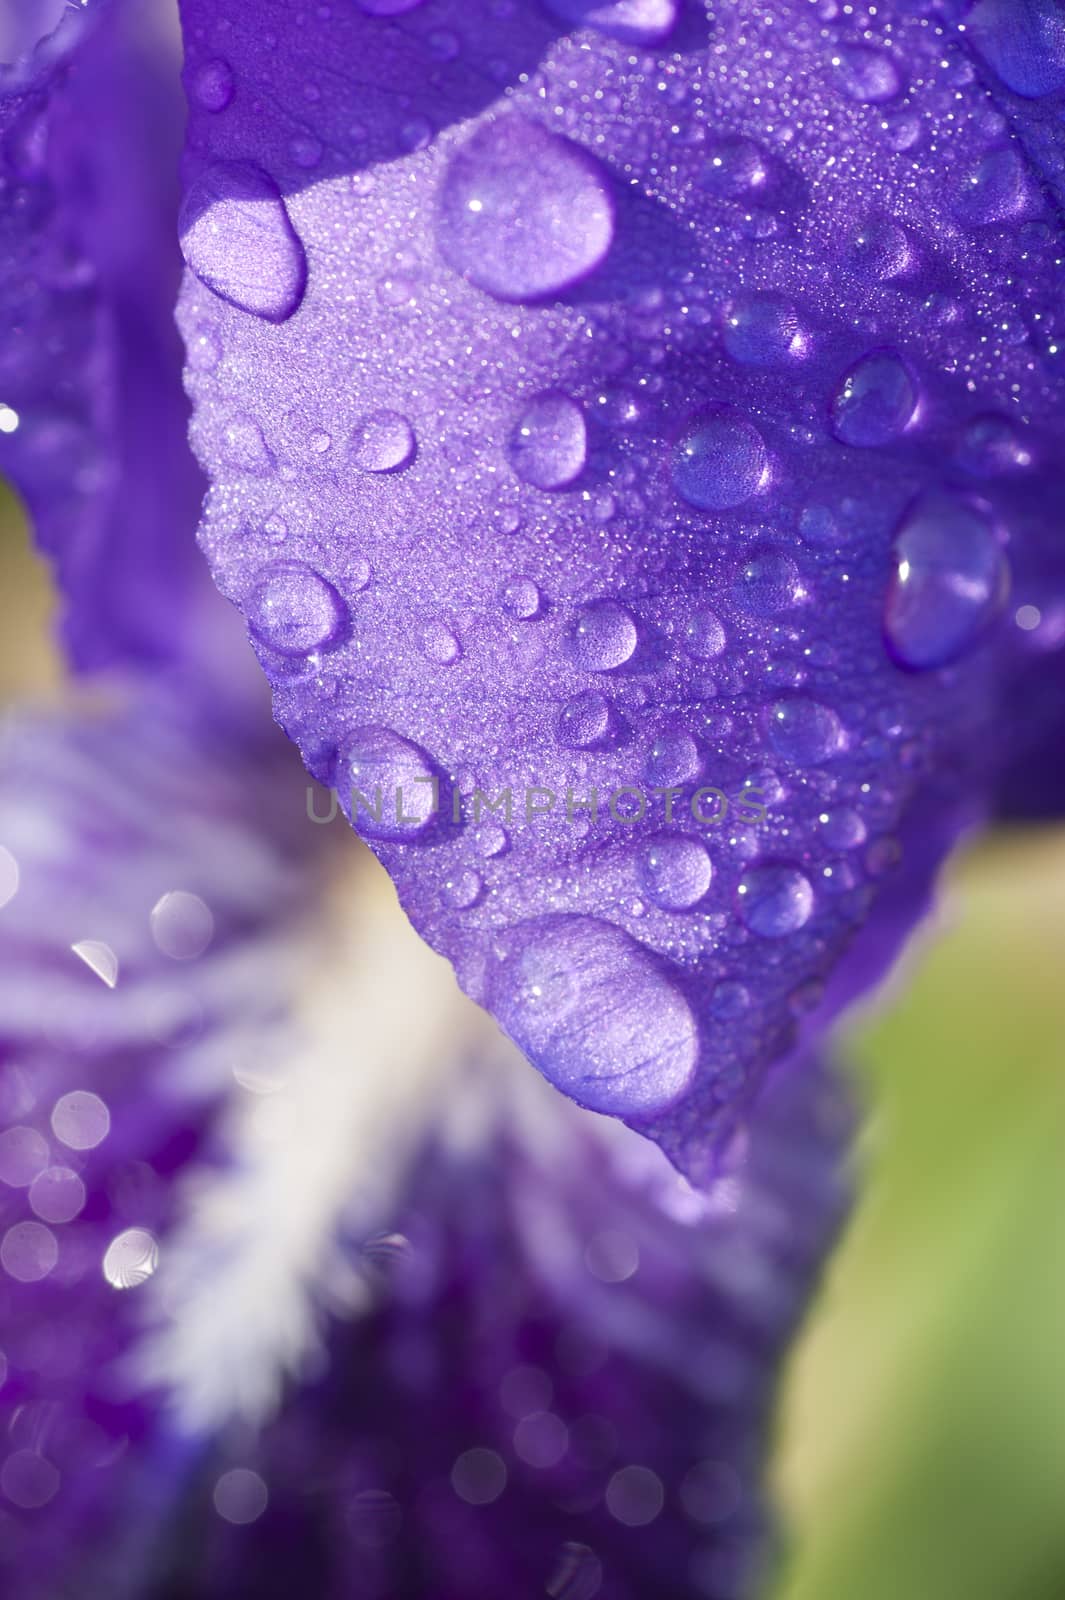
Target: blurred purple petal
{"x": 92, "y": 416}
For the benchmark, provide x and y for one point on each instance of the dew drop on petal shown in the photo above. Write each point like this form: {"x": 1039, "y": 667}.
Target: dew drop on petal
{"x": 292, "y": 609}
{"x": 950, "y": 582}
{"x": 774, "y": 899}
{"x": 603, "y": 636}
{"x": 760, "y": 330}
{"x": 211, "y": 85}
{"x": 704, "y": 635}
{"x": 386, "y": 784}
{"x": 595, "y": 1012}
{"x": 237, "y": 237}
{"x": 803, "y": 731}
{"x": 523, "y": 213}
{"x": 674, "y": 871}
{"x": 998, "y": 189}
{"x": 384, "y": 441}
{"x": 867, "y": 75}
{"x": 521, "y": 599}
{"x": 548, "y": 445}
{"x": 584, "y": 721}
{"x": 735, "y": 169}
{"x": 767, "y": 583}
{"x": 875, "y": 400}
{"x": 720, "y": 460}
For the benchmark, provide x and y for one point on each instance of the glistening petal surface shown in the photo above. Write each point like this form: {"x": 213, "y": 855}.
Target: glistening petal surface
{"x": 683, "y": 413}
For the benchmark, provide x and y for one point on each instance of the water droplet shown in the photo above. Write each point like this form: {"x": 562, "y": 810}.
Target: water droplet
{"x": 305, "y": 152}
{"x": 584, "y": 721}
{"x": 244, "y": 446}
{"x": 292, "y": 609}
{"x": 875, "y": 400}
{"x": 131, "y": 1259}
{"x": 675, "y": 872}
{"x": 843, "y": 828}
{"x": 720, "y": 460}
{"x": 386, "y": 784}
{"x": 524, "y": 213}
{"x": 774, "y": 899}
{"x": 548, "y": 445}
{"x": 867, "y": 75}
{"x": 464, "y": 888}
{"x": 631, "y": 21}
{"x": 440, "y": 644}
{"x": 760, "y": 330}
{"x": 881, "y": 249}
{"x": 735, "y": 169}
{"x": 211, "y": 85}
{"x": 603, "y": 636}
{"x": 595, "y": 1012}
{"x": 767, "y": 583}
{"x": 99, "y": 958}
{"x": 1024, "y": 43}
{"x": 991, "y": 445}
{"x": 521, "y": 599}
{"x": 998, "y": 189}
{"x": 672, "y": 759}
{"x": 704, "y": 635}
{"x": 951, "y": 580}
{"x": 237, "y": 237}
{"x": 182, "y": 925}
{"x": 730, "y": 1000}
{"x": 804, "y": 732}
{"x": 384, "y": 441}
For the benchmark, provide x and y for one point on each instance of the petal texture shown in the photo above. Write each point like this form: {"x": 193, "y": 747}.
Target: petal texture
{"x": 92, "y": 417}
{"x": 634, "y": 448}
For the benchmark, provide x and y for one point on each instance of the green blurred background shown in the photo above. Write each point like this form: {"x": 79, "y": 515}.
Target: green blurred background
{"x": 921, "y": 1447}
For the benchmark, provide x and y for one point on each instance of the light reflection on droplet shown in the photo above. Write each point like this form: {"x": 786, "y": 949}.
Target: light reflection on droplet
{"x": 81, "y": 1120}
{"x": 99, "y": 958}
{"x": 240, "y": 1496}
{"x": 131, "y": 1259}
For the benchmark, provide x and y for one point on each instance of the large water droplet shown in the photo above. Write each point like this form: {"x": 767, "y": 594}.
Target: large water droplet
{"x": 804, "y": 732}
{"x": 875, "y": 400}
{"x": 595, "y": 1012}
{"x": 383, "y": 442}
{"x": 774, "y": 899}
{"x": 704, "y": 635}
{"x": 386, "y": 784}
{"x": 1024, "y": 40}
{"x": 881, "y": 248}
{"x": 524, "y": 213}
{"x": 867, "y": 75}
{"x": 548, "y": 445}
{"x": 521, "y": 599}
{"x": 951, "y": 580}
{"x": 294, "y": 610}
{"x": 603, "y": 636}
{"x": 767, "y": 583}
{"x": 760, "y": 330}
{"x": 237, "y": 237}
{"x": 673, "y": 758}
{"x": 720, "y": 460}
{"x": 631, "y": 21}
{"x": 998, "y": 189}
{"x": 211, "y": 85}
{"x": 992, "y": 445}
{"x": 675, "y": 872}
{"x": 735, "y": 169}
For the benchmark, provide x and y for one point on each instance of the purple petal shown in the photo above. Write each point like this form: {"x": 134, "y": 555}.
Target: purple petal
{"x": 92, "y": 417}
{"x": 620, "y": 422}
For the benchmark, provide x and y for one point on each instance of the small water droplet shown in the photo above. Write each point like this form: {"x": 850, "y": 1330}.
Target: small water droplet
{"x": 992, "y": 445}
{"x": 548, "y": 445}
{"x": 881, "y": 249}
{"x": 720, "y": 460}
{"x": 875, "y": 400}
{"x": 735, "y": 169}
{"x": 521, "y": 599}
{"x": 292, "y": 609}
{"x": 596, "y": 1013}
{"x": 951, "y": 580}
{"x": 464, "y": 888}
{"x": 998, "y": 189}
{"x": 760, "y": 330}
{"x": 384, "y": 441}
{"x": 867, "y": 75}
{"x": 237, "y": 237}
{"x": 704, "y": 635}
{"x": 211, "y": 85}
{"x": 672, "y": 759}
{"x": 603, "y": 636}
{"x": 767, "y": 583}
{"x": 440, "y": 644}
{"x": 804, "y": 732}
{"x": 774, "y": 899}
{"x": 524, "y": 213}
{"x": 675, "y": 871}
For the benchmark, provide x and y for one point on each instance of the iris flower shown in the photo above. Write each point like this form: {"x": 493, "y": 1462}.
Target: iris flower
{"x": 630, "y": 433}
